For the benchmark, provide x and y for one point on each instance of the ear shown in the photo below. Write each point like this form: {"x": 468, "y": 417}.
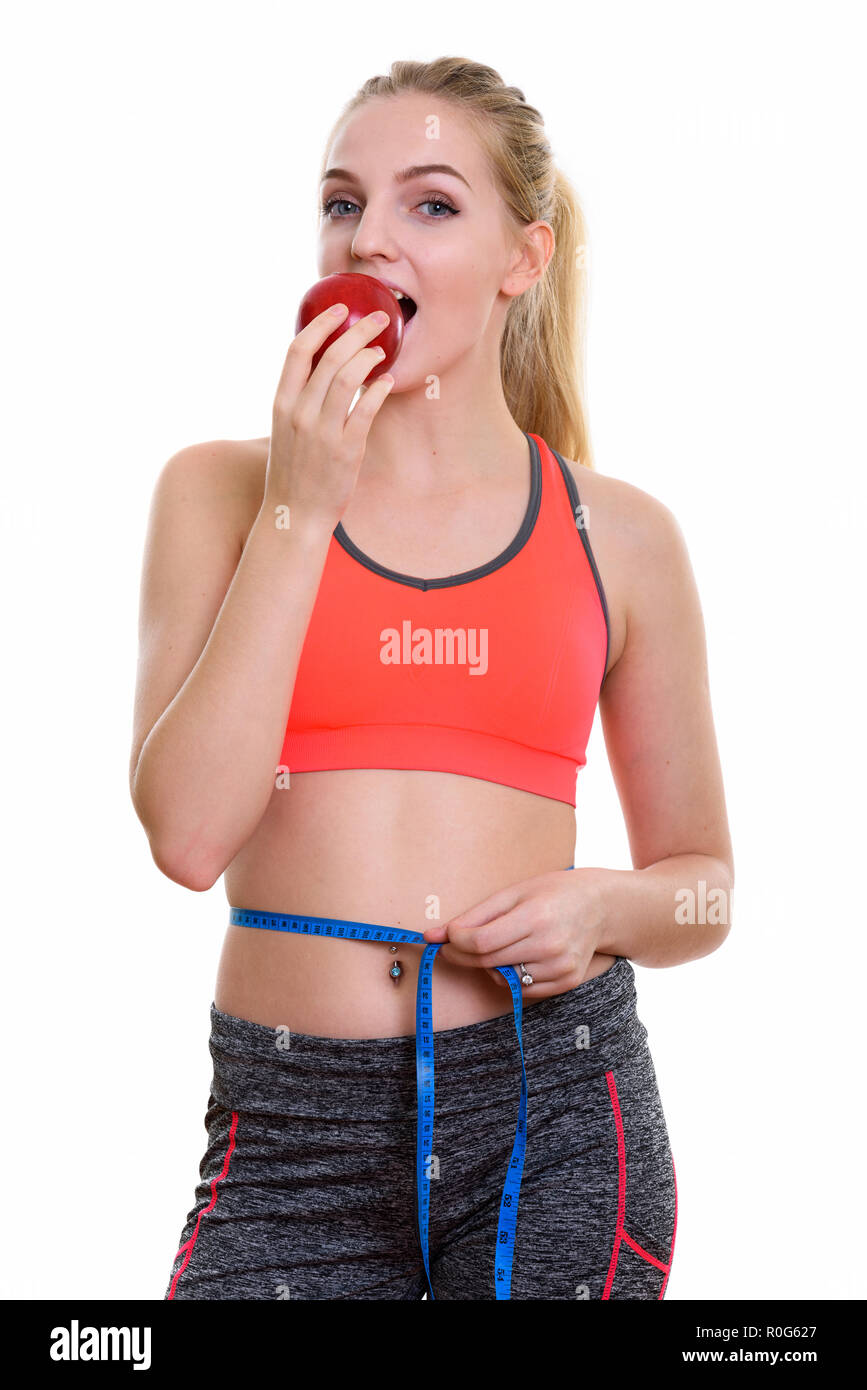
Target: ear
{"x": 532, "y": 254}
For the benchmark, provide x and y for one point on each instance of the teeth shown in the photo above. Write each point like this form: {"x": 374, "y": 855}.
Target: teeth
{"x": 398, "y": 294}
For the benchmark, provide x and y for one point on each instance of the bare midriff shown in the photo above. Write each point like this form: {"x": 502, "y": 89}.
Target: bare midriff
{"x": 391, "y": 848}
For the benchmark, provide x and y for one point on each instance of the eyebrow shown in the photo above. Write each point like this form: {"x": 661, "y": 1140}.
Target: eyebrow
{"x": 401, "y": 175}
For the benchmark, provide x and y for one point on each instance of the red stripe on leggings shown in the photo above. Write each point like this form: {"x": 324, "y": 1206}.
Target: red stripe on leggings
{"x": 674, "y": 1232}
{"x": 651, "y": 1259}
{"x": 621, "y": 1183}
{"x": 213, "y": 1202}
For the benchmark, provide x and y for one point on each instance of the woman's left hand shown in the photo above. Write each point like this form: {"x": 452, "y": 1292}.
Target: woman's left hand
{"x": 551, "y": 923}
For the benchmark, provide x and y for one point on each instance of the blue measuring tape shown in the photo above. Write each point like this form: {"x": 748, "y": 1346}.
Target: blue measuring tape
{"x": 424, "y": 1058}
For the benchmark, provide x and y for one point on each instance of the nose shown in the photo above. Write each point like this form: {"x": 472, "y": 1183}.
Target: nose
{"x": 373, "y": 238}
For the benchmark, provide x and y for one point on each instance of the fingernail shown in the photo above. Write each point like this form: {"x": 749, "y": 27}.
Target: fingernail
{"x": 337, "y": 309}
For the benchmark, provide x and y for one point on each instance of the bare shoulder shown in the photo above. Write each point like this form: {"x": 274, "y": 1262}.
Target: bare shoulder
{"x": 631, "y": 533}
{"x": 228, "y": 473}
{"x": 622, "y": 507}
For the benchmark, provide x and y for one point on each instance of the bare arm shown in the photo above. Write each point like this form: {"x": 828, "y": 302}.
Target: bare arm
{"x": 221, "y": 636}
{"x": 220, "y": 640}
{"x": 659, "y": 734}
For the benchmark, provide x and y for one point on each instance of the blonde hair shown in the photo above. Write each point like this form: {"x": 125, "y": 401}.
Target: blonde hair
{"x": 542, "y": 349}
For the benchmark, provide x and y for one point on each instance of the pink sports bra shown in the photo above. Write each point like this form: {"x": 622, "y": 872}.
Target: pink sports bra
{"x": 493, "y": 673}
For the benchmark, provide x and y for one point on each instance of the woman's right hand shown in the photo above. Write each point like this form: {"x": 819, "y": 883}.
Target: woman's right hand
{"x": 317, "y": 447}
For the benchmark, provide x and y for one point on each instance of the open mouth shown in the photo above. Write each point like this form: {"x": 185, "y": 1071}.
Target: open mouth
{"x": 408, "y": 307}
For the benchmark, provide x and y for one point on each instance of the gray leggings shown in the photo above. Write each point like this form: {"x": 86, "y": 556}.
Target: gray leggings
{"x": 307, "y": 1185}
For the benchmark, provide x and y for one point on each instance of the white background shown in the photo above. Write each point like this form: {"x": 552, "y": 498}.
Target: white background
{"x": 160, "y": 166}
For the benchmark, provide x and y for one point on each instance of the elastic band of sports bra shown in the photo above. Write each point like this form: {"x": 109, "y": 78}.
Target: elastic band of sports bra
{"x": 424, "y": 1054}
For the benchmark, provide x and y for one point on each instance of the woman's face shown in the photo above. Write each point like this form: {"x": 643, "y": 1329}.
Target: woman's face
{"x": 440, "y": 237}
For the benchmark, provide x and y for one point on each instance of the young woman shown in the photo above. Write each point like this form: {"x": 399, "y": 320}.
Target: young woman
{"x": 370, "y": 721}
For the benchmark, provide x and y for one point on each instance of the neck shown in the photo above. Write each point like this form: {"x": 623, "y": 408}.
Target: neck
{"x": 430, "y": 447}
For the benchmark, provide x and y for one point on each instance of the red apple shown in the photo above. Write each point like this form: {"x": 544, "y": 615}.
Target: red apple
{"x": 362, "y": 295}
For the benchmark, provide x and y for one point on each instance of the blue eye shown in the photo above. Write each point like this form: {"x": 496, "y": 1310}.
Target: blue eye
{"x": 326, "y": 207}
{"x": 437, "y": 202}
